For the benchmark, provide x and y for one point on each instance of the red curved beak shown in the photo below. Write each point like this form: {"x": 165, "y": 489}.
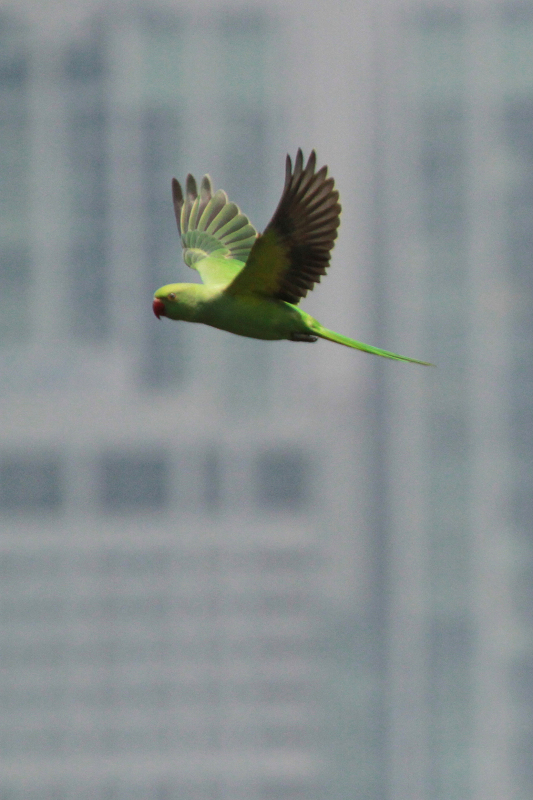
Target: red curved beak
{"x": 159, "y": 308}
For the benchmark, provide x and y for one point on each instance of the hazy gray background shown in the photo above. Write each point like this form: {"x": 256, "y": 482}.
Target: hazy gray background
{"x": 240, "y": 570}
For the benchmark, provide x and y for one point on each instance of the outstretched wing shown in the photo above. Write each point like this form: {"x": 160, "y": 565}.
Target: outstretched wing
{"x": 215, "y": 236}
{"x": 294, "y": 251}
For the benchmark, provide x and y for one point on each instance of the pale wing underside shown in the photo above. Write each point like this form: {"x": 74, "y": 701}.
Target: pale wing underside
{"x": 216, "y": 237}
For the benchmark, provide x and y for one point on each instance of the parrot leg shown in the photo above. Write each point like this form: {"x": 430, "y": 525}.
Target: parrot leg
{"x": 302, "y": 337}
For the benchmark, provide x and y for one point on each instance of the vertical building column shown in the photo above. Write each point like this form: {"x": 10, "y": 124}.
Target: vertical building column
{"x": 405, "y": 455}
{"x": 46, "y": 192}
{"x": 127, "y": 221}
{"x": 489, "y": 364}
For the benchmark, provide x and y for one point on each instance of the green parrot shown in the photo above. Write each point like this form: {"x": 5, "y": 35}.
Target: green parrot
{"x": 252, "y": 283}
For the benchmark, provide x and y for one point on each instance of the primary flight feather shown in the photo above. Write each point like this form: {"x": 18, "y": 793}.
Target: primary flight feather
{"x": 252, "y": 283}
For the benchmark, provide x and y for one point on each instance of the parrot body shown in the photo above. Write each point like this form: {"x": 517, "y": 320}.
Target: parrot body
{"x": 255, "y": 317}
{"x": 252, "y": 282}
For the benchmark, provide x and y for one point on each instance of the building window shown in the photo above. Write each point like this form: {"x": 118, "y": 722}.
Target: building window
{"x": 443, "y": 168}
{"x": 161, "y": 130}
{"x": 517, "y": 13}
{"x": 133, "y": 481}
{"x": 15, "y": 263}
{"x": 86, "y": 63}
{"x": 286, "y": 735}
{"x": 145, "y": 564}
{"x": 212, "y": 477}
{"x": 23, "y": 566}
{"x": 288, "y": 690}
{"x": 280, "y": 602}
{"x": 247, "y": 38}
{"x": 281, "y": 479}
{"x": 245, "y": 159}
{"x": 14, "y": 268}
{"x": 85, "y": 74}
{"x": 30, "y": 483}
{"x": 286, "y": 790}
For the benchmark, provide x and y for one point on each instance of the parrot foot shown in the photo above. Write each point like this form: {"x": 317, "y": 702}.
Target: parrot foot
{"x": 302, "y": 337}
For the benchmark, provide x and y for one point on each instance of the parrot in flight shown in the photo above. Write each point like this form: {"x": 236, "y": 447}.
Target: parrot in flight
{"x": 252, "y": 283}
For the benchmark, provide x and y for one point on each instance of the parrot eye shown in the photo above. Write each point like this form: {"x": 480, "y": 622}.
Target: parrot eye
{"x": 171, "y": 295}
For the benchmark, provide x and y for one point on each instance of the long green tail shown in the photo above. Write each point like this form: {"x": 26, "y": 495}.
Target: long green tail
{"x": 324, "y": 333}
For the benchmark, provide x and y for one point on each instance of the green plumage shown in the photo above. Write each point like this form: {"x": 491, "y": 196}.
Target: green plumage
{"x": 252, "y": 283}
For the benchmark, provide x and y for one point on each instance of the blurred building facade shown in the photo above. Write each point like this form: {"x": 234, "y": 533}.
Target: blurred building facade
{"x": 221, "y": 577}
{"x": 457, "y": 143}
{"x": 161, "y": 493}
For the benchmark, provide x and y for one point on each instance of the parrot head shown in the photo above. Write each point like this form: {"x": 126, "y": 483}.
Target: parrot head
{"x": 165, "y": 301}
{"x": 176, "y": 301}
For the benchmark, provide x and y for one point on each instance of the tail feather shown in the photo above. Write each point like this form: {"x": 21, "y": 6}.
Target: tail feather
{"x": 324, "y": 333}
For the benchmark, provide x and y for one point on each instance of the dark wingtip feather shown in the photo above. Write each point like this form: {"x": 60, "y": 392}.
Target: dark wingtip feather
{"x": 206, "y": 188}
{"x": 306, "y": 221}
{"x": 190, "y": 187}
{"x": 288, "y": 171}
{"x": 311, "y": 162}
{"x": 177, "y": 200}
{"x": 299, "y": 162}
{"x": 177, "y": 194}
